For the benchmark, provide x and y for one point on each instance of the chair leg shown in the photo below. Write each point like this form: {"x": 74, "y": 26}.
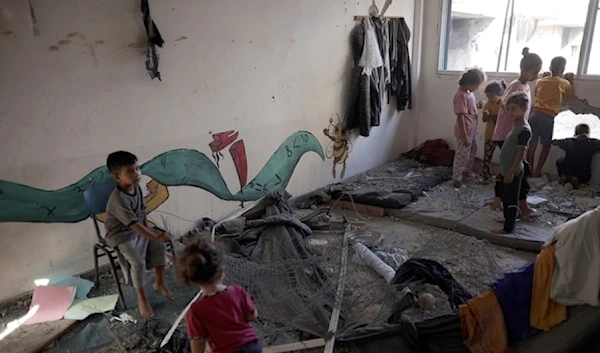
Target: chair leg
{"x": 113, "y": 268}
{"x": 117, "y": 282}
{"x": 96, "y": 266}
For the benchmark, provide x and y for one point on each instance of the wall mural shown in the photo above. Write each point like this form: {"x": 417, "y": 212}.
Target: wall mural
{"x": 339, "y": 148}
{"x": 22, "y": 203}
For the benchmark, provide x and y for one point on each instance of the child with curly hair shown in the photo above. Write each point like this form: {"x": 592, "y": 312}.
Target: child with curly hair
{"x": 223, "y": 314}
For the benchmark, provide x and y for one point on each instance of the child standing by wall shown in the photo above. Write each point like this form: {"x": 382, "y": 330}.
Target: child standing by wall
{"x": 494, "y": 92}
{"x": 531, "y": 65}
{"x": 550, "y": 92}
{"x": 576, "y": 167}
{"x": 223, "y": 314}
{"x": 512, "y": 167}
{"x": 465, "y": 108}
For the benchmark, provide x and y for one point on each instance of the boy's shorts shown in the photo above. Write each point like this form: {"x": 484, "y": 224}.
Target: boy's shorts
{"x": 542, "y": 128}
{"x": 138, "y": 255}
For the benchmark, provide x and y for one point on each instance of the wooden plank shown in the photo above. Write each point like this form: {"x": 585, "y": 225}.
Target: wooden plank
{"x": 34, "y": 338}
{"x": 316, "y": 343}
{"x": 339, "y": 296}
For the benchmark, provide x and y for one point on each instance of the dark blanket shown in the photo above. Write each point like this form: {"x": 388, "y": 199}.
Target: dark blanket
{"x": 429, "y": 271}
{"x": 269, "y": 257}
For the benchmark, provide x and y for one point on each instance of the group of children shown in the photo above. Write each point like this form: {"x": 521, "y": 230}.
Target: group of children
{"x": 513, "y": 125}
{"x": 222, "y": 316}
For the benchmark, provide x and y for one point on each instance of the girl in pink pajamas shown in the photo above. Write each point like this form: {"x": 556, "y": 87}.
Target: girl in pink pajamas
{"x": 465, "y": 108}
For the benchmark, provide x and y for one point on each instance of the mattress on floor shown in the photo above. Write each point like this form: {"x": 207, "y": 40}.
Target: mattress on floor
{"x": 393, "y": 185}
{"x": 526, "y": 236}
{"x": 445, "y": 206}
{"x": 466, "y": 212}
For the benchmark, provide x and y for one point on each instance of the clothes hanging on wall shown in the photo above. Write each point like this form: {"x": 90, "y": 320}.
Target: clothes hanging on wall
{"x": 154, "y": 39}
{"x": 377, "y": 75}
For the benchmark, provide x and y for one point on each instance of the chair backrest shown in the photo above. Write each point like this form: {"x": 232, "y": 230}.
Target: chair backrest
{"x": 97, "y": 196}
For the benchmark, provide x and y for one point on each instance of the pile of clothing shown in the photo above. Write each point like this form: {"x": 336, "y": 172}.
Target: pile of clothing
{"x": 519, "y": 305}
{"x": 381, "y": 70}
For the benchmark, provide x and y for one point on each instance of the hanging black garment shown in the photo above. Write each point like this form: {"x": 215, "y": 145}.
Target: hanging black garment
{"x": 359, "y": 105}
{"x": 154, "y": 39}
{"x": 401, "y": 85}
{"x": 433, "y": 273}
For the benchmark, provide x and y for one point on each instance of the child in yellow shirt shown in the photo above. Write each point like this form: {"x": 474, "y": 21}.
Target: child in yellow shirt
{"x": 550, "y": 93}
{"x": 494, "y": 92}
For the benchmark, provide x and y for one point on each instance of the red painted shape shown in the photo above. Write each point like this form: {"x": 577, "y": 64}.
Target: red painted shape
{"x": 238, "y": 154}
{"x": 222, "y": 140}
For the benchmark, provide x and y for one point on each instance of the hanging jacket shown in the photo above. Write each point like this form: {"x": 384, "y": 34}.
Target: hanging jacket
{"x": 364, "y": 106}
{"x": 401, "y": 86}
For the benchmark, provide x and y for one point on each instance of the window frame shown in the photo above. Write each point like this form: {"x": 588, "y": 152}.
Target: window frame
{"x": 444, "y": 15}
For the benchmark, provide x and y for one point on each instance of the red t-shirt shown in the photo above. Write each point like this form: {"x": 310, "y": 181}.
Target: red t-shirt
{"x": 222, "y": 320}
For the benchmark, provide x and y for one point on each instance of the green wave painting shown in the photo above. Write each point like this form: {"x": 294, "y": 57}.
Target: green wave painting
{"x": 181, "y": 167}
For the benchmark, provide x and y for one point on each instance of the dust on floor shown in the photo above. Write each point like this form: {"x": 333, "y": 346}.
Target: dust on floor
{"x": 367, "y": 295}
{"x": 474, "y": 263}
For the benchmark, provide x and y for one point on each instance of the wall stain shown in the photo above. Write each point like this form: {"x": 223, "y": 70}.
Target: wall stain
{"x": 82, "y": 37}
{"x": 64, "y": 42}
{"x": 7, "y": 33}
{"x": 72, "y": 34}
{"x": 100, "y": 41}
{"x": 53, "y": 48}
{"x": 93, "y": 54}
{"x": 181, "y": 38}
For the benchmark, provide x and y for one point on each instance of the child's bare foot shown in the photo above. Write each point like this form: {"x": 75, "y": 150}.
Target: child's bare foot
{"x": 164, "y": 290}
{"x": 529, "y": 212}
{"x": 575, "y": 183}
{"x": 145, "y": 309}
{"x": 496, "y": 204}
{"x": 467, "y": 176}
{"x": 564, "y": 179}
{"x": 526, "y": 210}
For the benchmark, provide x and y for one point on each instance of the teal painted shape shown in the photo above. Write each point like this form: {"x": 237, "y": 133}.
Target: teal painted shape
{"x": 187, "y": 167}
{"x": 21, "y": 203}
{"x": 276, "y": 174}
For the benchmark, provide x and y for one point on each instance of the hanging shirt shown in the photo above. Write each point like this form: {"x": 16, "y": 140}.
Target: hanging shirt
{"x": 550, "y": 93}
{"x": 504, "y": 124}
{"x": 465, "y": 105}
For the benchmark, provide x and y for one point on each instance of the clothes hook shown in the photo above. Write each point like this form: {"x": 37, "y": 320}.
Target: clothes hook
{"x": 373, "y": 9}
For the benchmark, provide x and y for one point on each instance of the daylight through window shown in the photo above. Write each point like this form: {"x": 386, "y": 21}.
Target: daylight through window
{"x": 492, "y": 34}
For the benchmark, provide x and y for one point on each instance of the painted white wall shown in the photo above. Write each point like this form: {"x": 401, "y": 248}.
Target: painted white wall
{"x": 436, "y": 119}
{"x": 264, "y": 67}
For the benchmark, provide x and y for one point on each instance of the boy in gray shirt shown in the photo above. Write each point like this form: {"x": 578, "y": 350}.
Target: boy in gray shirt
{"x": 512, "y": 168}
{"x": 127, "y": 230}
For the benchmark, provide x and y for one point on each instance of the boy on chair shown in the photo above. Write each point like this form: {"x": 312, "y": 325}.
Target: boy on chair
{"x": 127, "y": 230}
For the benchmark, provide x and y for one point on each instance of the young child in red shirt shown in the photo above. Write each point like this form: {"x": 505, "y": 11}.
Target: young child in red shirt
{"x": 223, "y": 314}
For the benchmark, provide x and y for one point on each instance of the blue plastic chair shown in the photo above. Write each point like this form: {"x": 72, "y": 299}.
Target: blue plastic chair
{"x": 96, "y": 198}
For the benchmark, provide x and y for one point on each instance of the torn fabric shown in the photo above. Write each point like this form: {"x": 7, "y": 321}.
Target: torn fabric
{"x": 483, "y": 327}
{"x": 154, "y": 39}
{"x": 577, "y": 253}
{"x": 545, "y": 312}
